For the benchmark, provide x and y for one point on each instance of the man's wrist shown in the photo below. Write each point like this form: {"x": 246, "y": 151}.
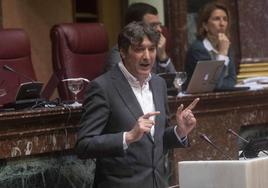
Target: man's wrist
{"x": 179, "y": 133}
{"x": 162, "y": 58}
{"x": 179, "y": 137}
{"x": 129, "y": 138}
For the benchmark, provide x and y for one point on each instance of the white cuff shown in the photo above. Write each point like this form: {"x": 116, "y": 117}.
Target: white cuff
{"x": 223, "y": 57}
{"x": 125, "y": 146}
{"x": 164, "y": 65}
{"x": 181, "y": 140}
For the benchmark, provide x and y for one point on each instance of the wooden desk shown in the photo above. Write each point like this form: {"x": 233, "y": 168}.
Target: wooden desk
{"x": 215, "y": 113}
{"x": 54, "y": 129}
{"x": 45, "y": 130}
{"x": 37, "y": 131}
{"x": 35, "y": 149}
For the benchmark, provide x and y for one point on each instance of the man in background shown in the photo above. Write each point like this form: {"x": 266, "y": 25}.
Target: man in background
{"x": 148, "y": 14}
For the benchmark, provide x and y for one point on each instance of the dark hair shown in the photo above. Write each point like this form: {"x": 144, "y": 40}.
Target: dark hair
{"x": 205, "y": 14}
{"x": 133, "y": 34}
{"x": 136, "y": 11}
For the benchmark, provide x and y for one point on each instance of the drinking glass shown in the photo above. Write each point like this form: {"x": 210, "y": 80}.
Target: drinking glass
{"x": 179, "y": 79}
{"x": 75, "y": 85}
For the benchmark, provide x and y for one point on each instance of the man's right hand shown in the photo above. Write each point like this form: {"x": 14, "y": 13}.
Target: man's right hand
{"x": 143, "y": 125}
{"x": 161, "y": 49}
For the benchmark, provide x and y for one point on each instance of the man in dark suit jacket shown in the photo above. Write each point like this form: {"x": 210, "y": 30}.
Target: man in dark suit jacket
{"x": 147, "y": 13}
{"x": 125, "y": 123}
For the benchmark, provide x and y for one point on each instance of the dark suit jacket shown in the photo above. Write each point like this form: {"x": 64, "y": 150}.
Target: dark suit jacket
{"x": 198, "y": 52}
{"x": 112, "y": 108}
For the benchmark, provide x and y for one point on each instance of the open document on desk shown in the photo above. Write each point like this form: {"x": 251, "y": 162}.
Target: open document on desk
{"x": 255, "y": 83}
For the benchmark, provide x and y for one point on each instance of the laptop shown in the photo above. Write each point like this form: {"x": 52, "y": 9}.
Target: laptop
{"x": 29, "y": 90}
{"x": 28, "y": 95}
{"x": 205, "y": 76}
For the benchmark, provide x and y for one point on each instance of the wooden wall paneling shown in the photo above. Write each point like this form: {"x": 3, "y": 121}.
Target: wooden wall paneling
{"x": 1, "y": 16}
{"x": 175, "y": 15}
{"x": 85, "y": 11}
{"x": 111, "y": 18}
{"x": 253, "y": 28}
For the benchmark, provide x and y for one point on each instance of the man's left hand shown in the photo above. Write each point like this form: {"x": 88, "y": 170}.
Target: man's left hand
{"x": 185, "y": 119}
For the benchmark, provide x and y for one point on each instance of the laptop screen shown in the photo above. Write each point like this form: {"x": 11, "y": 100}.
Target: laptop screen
{"x": 205, "y": 76}
{"x": 29, "y": 90}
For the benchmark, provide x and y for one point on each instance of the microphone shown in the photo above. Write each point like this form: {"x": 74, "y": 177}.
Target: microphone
{"x": 8, "y": 68}
{"x": 204, "y": 137}
{"x": 247, "y": 150}
{"x": 237, "y": 135}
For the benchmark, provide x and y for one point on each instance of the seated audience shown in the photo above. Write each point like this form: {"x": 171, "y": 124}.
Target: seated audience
{"x": 213, "y": 43}
{"x": 148, "y": 14}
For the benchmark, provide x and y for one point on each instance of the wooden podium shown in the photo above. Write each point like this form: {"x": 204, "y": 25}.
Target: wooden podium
{"x": 251, "y": 173}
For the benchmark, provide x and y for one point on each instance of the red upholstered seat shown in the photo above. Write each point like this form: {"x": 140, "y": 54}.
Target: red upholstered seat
{"x": 78, "y": 50}
{"x": 15, "y": 51}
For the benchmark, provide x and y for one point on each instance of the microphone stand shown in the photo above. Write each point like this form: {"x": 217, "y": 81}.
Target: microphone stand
{"x": 204, "y": 137}
{"x": 237, "y": 135}
{"x": 8, "y": 68}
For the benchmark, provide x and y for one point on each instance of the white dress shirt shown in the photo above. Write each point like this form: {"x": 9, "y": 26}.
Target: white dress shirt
{"x": 144, "y": 96}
